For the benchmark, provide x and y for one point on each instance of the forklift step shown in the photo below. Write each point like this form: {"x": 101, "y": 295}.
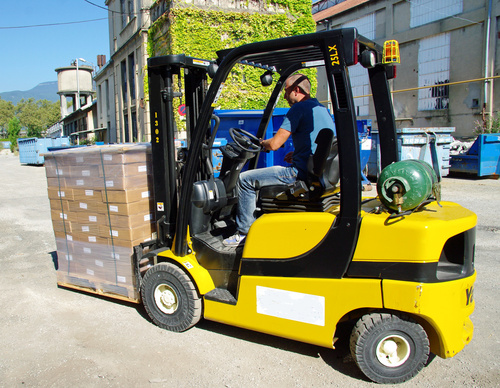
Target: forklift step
{"x": 221, "y": 295}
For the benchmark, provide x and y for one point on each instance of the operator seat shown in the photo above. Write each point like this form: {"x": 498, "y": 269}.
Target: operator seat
{"x": 314, "y": 194}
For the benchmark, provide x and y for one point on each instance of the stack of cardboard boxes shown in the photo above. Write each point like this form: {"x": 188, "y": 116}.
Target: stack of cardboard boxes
{"x": 101, "y": 208}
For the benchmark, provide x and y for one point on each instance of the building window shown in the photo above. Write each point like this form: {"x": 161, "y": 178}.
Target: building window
{"x": 131, "y": 76}
{"x": 427, "y": 11}
{"x": 134, "y": 127}
{"x": 125, "y": 125}
{"x": 101, "y": 100}
{"x": 358, "y": 75}
{"x": 124, "y": 81}
{"x": 130, "y": 9}
{"x": 123, "y": 13}
{"x": 106, "y": 92}
{"x": 434, "y": 69}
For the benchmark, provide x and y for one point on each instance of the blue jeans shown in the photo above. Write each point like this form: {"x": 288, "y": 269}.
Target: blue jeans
{"x": 246, "y": 190}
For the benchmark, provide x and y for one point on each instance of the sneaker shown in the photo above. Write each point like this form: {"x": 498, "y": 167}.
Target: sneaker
{"x": 234, "y": 240}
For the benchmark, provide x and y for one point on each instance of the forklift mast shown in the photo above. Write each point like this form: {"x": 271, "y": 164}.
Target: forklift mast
{"x": 161, "y": 72}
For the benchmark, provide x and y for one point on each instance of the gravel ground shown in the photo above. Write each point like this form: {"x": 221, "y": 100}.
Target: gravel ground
{"x": 54, "y": 337}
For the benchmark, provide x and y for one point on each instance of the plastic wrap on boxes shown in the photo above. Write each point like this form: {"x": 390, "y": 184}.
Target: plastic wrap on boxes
{"x": 101, "y": 208}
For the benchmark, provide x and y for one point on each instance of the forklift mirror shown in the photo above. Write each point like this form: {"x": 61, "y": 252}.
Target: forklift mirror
{"x": 212, "y": 69}
{"x": 266, "y": 79}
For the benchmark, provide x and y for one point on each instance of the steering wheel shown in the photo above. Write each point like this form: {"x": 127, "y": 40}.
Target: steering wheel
{"x": 245, "y": 140}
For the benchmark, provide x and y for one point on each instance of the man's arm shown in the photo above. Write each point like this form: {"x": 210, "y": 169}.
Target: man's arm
{"x": 276, "y": 141}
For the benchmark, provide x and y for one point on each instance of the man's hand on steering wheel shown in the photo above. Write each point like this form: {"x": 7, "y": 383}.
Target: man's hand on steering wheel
{"x": 245, "y": 140}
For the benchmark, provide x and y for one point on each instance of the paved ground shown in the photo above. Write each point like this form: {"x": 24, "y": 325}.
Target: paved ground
{"x": 53, "y": 337}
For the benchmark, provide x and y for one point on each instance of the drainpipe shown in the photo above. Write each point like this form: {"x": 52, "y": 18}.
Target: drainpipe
{"x": 488, "y": 84}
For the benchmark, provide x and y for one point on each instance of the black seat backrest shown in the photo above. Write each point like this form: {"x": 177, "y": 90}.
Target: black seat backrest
{"x": 318, "y": 161}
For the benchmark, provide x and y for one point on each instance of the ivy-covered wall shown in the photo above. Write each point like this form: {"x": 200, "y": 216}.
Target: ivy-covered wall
{"x": 201, "y": 32}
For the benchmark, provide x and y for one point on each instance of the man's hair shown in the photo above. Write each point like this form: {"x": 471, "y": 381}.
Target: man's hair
{"x": 301, "y": 81}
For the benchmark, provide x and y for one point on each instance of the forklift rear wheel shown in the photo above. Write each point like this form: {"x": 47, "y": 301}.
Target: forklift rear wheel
{"x": 389, "y": 349}
{"x": 170, "y": 297}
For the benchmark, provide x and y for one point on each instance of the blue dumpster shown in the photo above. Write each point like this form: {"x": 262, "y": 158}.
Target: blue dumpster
{"x": 416, "y": 143}
{"x": 482, "y": 159}
{"x": 31, "y": 149}
{"x": 249, "y": 121}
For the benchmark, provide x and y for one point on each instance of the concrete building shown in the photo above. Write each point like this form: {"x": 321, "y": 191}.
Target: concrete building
{"x": 449, "y": 57}
{"x": 122, "y": 109}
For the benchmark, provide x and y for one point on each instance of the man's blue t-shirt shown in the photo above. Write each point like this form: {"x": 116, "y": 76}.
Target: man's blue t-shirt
{"x": 304, "y": 120}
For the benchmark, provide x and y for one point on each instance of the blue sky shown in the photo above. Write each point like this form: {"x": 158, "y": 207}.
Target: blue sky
{"x": 29, "y": 56}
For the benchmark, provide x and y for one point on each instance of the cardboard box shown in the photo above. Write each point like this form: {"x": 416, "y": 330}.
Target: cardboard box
{"x": 53, "y": 171}
{"x": 126, "y": 196}
{"x": 91, "y": 229}
{"x": 130, "y": 221}
{"x": 91, "y": 218}
{"x": 117, "y": 182}
{"x": 59, "y": 215}
{"x": 85, "y": 171}
{"x": 60, "y": 193}
{"x": 62, "y": 227}
{"x": 144, "y": 206}
{"x": 87, "y": 195}
{"x": 127, "y": 234}
{"x": 124, "y": 154}
{"x": 59, "y": 205}
{"x": 125, "y": 170}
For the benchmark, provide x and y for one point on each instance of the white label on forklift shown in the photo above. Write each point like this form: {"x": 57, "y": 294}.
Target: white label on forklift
{"x": 187, "y": 264}
{"x": 295, "y": 306}
{"x": 210, "y": 194}
{"x": 314, "y": 63}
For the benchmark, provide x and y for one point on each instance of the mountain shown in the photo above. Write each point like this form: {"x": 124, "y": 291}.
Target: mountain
{"x": 43, "y": 91}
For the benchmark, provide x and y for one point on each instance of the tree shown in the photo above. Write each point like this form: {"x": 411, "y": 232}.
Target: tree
{"x": 37, "y": 116}
{"x": 13, "y": 130}
{"x": 6, "y": 114}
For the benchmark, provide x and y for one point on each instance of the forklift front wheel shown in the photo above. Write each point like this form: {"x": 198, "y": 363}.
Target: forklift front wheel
{"x": 389, "y": 349}
{"x": 170, "y": 297}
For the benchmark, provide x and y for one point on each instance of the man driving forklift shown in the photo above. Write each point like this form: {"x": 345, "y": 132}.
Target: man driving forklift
{"x": 303, "y": 121}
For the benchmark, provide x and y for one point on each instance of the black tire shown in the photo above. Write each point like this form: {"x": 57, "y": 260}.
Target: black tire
{"x": 170, "y": 298}
{"x": 389, "y": 349}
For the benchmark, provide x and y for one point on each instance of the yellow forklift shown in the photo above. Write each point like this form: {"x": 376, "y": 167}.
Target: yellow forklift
{"x": 400, "y": 267}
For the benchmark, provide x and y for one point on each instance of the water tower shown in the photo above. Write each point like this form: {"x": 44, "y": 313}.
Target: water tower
{"x": 75, "y": 82}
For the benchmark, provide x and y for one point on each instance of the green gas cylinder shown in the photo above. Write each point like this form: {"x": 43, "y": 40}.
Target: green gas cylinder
{"x": 406, "y": 184}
